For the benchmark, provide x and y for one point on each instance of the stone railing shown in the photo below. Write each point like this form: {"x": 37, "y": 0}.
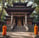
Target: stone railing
{"x": 9, "y": 27}
{"x": 31, "y": 28}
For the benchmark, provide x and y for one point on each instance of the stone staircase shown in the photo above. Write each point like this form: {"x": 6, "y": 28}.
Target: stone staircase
{"x": 23, "y": 29}
{"x": 19, "y": 29}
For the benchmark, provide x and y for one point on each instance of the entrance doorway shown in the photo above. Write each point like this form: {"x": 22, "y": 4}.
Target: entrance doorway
{"x": 19, "y": 24}
{"x": 19, "y": 21}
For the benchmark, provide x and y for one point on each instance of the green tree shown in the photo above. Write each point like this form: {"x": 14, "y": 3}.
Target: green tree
{"x": 36, "y": 19}
{"x": 36, "y": 1}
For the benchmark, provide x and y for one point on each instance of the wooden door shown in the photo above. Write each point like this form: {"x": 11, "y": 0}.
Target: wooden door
{"x": 19, "y": 22}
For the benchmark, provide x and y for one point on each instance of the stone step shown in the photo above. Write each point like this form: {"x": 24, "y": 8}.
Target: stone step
{"x": 19, "y": 29}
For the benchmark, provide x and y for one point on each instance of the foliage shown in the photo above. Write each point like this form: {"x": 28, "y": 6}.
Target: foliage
{"x": 10, "y": 2}
{"x": 37, "y": 9}
{"x": 37, "y": 1}
{"x": 3, "y": 15}
{"x": 36, "y": 19}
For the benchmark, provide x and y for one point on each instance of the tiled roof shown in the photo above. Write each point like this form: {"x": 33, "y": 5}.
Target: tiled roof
{"x": 20, "y": 7}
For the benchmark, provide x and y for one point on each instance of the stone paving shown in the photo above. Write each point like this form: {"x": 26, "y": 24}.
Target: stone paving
{"x": 16, "y": 37}
{"x": 19, "y": 35}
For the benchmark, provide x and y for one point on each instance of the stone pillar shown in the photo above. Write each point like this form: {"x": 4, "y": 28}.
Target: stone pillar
{"x": 25, "y": 19}
{"x": 11, "y": 18}
{"x": 25, "y": 25}
{"x": 11, "y": 21}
